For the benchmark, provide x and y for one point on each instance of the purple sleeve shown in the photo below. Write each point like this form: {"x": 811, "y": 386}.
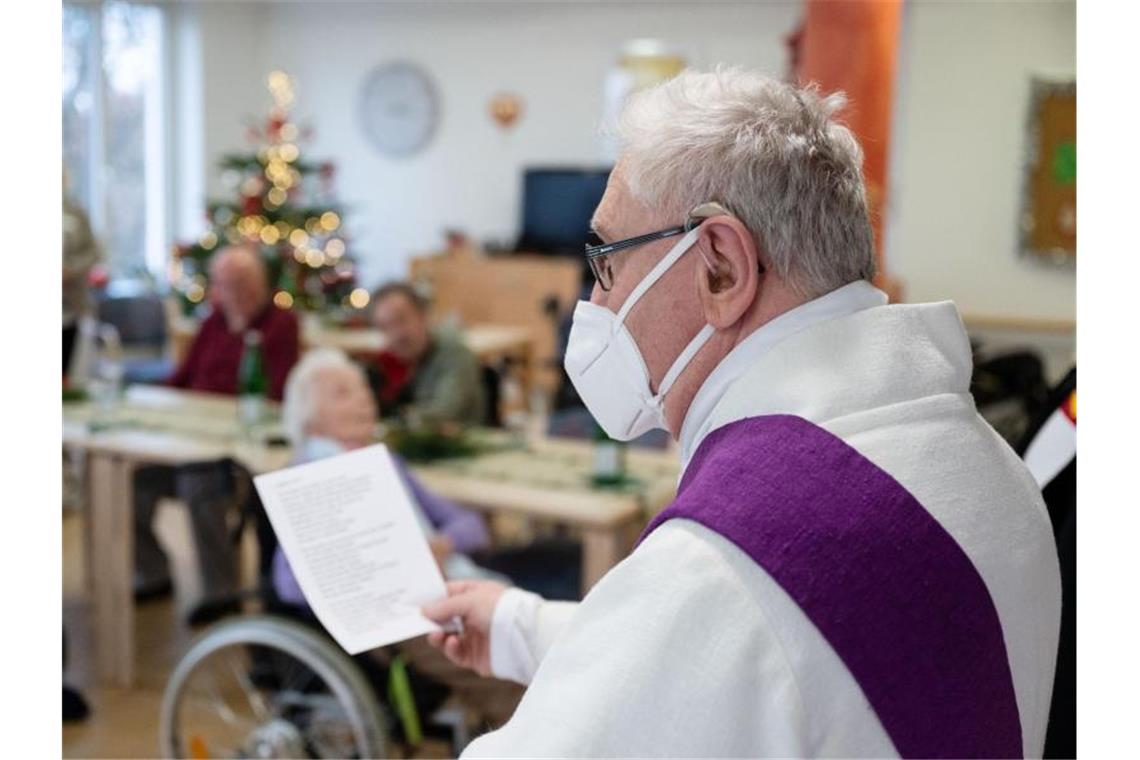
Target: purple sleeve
{"x": 465, "y": 528}
{"x": 284, "y": 582}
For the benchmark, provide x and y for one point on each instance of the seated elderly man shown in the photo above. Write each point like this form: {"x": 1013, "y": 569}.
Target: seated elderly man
{"x": 240, "y": 296}
{"x": 855, "y": 564}
{"x": 329, "y": 409}
{"x": 428, "y": 376}
{"x": 241, "y": 300}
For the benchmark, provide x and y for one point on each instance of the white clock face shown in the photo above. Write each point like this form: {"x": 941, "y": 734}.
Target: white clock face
{"x": 399, "y": 108}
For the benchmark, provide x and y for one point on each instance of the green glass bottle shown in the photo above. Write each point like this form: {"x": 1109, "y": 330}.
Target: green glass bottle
{"x": 609, "y": 459}
{"x": 253, "y": 383}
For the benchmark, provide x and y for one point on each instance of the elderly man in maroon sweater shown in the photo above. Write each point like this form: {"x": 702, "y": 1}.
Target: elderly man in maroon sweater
{"x": 240, "y": 296}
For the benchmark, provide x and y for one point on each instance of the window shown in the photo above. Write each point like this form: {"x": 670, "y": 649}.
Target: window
{"x": 114, "y": 129}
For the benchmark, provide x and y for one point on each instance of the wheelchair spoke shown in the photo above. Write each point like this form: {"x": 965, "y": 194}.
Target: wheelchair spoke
{"x": 215, "y": 745}
{"x": 298, "y": 676}
{"x": 222, "y": 707}
{"x": 253, "y": 696}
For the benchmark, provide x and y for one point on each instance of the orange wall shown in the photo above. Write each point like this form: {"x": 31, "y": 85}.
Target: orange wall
{"x": 852, "y": 46}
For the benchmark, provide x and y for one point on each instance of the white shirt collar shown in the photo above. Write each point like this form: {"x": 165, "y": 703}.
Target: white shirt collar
{"x": 841, "y": 302}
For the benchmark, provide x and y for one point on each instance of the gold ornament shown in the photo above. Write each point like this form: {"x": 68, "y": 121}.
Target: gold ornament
{"x": 506, "y": 108}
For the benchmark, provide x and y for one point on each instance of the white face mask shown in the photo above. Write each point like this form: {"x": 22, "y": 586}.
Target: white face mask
{"x": 316, "y": 447}
{"x": 607, "y": 368}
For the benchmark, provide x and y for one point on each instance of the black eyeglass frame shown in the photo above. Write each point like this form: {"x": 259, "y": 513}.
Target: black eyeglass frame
{"x": 593, "y": 252}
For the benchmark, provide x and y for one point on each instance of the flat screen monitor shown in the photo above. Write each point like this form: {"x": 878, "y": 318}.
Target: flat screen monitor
{"x": 558, "y": 204}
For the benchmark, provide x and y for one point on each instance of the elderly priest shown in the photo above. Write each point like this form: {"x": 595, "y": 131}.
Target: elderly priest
{"x": 855, "y": 563}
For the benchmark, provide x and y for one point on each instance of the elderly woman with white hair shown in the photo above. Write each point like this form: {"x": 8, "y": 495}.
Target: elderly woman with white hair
{"x": 328, "y": 409}
{"x": 855, "y": 564}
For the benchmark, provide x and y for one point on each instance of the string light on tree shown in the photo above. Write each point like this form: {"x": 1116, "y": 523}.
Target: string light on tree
{"x": 359, "y": 298}
{"x": 281, "y": 206}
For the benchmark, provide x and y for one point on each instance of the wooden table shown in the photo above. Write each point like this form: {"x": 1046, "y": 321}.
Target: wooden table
{"x": 156, "y": 426}
{"x": 549, "y": 480}
{"x": 545, "y": 480}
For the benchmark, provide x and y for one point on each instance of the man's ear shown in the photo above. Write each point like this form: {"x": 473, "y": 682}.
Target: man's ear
{"x": 728, "y": 279}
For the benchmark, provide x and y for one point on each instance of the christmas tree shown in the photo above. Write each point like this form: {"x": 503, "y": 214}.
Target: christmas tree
{"x": 284, "y": 206}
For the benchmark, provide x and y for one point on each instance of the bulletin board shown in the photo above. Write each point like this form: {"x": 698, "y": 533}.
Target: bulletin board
{"x": 1049, "y": 192}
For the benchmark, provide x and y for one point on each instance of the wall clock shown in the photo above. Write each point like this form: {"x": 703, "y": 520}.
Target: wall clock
{"x": 399, "y": 108}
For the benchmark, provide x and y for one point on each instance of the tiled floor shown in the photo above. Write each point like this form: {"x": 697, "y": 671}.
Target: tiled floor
{"x": 124, "y": 723}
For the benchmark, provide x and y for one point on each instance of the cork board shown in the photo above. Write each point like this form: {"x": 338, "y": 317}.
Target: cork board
{"x": 1049, "y": 193}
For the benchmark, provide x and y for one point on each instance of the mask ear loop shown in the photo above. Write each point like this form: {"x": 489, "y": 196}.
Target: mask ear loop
{"x": 682, "y": 361}
{"x": 656, "y": 273}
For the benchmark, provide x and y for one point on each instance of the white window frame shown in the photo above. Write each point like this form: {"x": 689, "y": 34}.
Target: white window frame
{"x": 158, "y": 236}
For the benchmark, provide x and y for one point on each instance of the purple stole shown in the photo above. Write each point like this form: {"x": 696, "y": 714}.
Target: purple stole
{"x": 890, "y": 590}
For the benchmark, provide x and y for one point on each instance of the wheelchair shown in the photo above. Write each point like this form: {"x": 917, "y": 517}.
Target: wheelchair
{"x": 275, "y": 684}
{"x": 267, "y": 686}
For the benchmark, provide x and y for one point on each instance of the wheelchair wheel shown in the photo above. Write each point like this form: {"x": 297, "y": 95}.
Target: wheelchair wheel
{"x": 269, "y": 687}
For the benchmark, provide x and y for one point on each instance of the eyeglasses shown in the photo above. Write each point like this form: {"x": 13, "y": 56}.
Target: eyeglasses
{"x": 599, "y": 254}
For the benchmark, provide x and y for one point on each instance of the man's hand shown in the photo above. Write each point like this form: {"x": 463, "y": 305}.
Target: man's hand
{"x": 473, "y": 602}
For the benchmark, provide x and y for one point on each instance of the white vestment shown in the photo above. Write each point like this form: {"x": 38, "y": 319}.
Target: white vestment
{"x": 689, "y": 648}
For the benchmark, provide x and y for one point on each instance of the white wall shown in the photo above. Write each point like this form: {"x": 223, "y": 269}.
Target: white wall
{"x": 957, "y": 155}
{"x": 957, "y": 143}
{"x": 234, "y": 71}
{"x": 469, "y": 176}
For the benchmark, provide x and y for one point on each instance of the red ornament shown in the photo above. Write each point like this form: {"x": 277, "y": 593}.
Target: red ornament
{"x": 98, "y": 276}
{"x": 251, "y": 205}
{"x": 273, "y": 129}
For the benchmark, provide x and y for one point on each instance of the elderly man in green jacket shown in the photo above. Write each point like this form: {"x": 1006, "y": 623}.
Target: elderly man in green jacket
{"x": 424, "y": 374}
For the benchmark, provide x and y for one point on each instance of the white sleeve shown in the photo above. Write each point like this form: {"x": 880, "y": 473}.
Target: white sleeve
{"x": 666, "y": 656}
{"x": 523, "y": 627}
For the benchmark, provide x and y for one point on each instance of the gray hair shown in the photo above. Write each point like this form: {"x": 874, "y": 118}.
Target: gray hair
{"x": 297, "y": 407}
{"x": 770, "y": 153}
